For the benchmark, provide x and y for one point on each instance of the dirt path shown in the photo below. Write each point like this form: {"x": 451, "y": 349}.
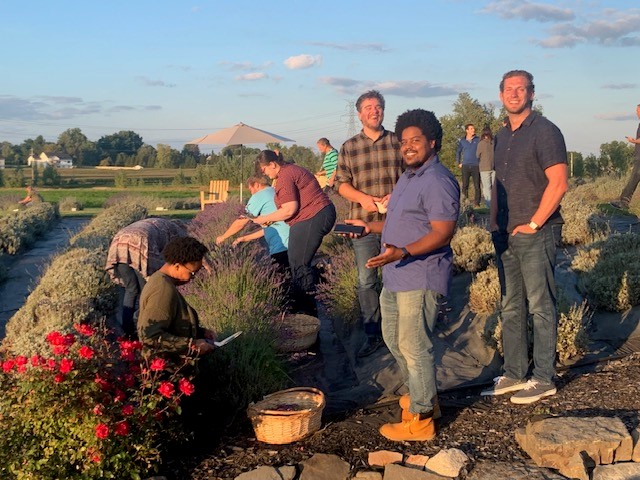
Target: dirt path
{"x": 25, "y": 268}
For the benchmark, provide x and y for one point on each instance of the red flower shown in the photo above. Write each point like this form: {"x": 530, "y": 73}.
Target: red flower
{"x": 186, "y": 387}
{"x": 129, "y": 380}
{"x": 84, "y": 329}
{"x": 59, "y": 378}
{"x": 49, "y": 364}
{"x": 127, "y": 410}
{"x": 36, "y": 360}
{"x": 86, "y": 352}
{"x": 122, "y": 428}
{"x": 21, "y": 360}
{"x": 128, "y": 355}
{"x": 8, "y": 365}
{"x": 166, "y": 389}
{"x": 22, "y": 368}
{"x": 119, "y": 396}
{"x": 104, "y": 384}
{"x": 55, "y": 338}
{"x": 98, "y": 410}
{"x": 158, "y": 364}
{"x": 66, "y": 365}
{"x": 102, "y": 431}
{"x": 94, "y": 456}
{"x": 60, "y": 349}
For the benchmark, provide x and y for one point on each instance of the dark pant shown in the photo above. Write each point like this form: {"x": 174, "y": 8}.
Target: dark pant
{"x": 134, "y": 282}
{"x": 627, "y": 193}
{"x": 304, "y": 240}
{"x": 472, "y": 171}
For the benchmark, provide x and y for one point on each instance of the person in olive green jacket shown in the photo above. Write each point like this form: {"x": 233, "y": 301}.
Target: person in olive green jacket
{"x": 166, "y": 322}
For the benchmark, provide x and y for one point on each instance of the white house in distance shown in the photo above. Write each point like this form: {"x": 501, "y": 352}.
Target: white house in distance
{"x": 56, "y": 160}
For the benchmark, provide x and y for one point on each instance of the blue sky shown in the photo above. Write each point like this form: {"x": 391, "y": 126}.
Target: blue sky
{"x": 173, "y": 70}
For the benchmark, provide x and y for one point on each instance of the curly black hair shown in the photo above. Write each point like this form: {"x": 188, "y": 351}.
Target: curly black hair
{"x": 425, "y": 120}
{"x": 184, "y": 250}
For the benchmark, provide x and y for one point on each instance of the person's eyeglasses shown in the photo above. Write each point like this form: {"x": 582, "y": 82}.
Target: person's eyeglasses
{"x": 192, "y": 272}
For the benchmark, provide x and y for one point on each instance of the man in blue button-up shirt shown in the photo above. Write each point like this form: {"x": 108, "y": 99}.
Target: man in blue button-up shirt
{"x": 416, "y": 263}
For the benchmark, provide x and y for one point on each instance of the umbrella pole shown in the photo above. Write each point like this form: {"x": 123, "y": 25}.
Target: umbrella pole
{"x": 241, "y": 173}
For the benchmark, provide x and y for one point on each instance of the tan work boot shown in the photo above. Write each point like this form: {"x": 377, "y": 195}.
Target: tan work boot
{"x": 419, "y": 429}
{"x": 405, "y": 401}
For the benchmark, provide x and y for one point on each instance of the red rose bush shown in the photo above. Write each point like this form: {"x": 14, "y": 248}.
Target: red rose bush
{"x": 90, "y": 408}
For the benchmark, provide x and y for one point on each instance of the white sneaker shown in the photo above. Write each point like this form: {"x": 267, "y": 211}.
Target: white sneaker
{"x": 533, "y": 391}
{"x": 502, "y": 385}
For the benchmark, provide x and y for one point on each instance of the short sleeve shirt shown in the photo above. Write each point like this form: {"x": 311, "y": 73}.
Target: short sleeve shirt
{"x": 521, "y": 158}
{"x": 330, "y": 162}
{"x": 429, "y": 193}
{"x": 277, "y": 234}
{"x": 372, "y": 167}
{"x": 298, "y": 184}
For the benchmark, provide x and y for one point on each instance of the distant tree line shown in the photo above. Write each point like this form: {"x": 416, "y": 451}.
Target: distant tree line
{"x": 126, "y": 148}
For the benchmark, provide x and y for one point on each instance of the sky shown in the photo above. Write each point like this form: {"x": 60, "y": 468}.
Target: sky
{"x": 173, "y": 71}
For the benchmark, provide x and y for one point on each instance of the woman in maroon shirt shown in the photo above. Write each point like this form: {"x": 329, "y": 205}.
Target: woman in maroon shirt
{"x": 308, "y": 211}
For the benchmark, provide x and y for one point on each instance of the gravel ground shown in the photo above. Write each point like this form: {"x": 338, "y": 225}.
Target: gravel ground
{"x": 480, "y": 426}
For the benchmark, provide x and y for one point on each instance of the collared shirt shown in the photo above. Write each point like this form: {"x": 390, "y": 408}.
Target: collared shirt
{"x": 637, "y": 145}
{"x": 140, "y": 245}
{"x": 372, "y": 167}
{"x": 297, "y": 184}
{"x": 521, "y": 158}
{"x": 330, "y": 162}
{"x": 430, "y": 193}
{"x": 277, "y": 234}
{"x": 466, "y": 151}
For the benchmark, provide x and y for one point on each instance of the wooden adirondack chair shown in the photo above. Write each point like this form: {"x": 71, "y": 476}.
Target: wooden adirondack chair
{"x": 217, "y": 193}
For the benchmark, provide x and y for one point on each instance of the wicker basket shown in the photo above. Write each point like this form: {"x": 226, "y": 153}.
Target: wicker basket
{"x": 275, "y": 425}
{"x": 298, "y": 332}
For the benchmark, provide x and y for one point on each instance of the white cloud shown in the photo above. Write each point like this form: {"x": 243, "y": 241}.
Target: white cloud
{"x": 245, "y": 66}
{"x": 249, "y": 77}
{"x": 524, "y": 10}
{"x": 400, "y": 88}
{"x": 154, "y": 83}
{"x": 299, "y": 62}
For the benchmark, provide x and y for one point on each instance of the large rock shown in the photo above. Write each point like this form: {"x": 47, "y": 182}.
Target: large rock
{"x": 511, "y": 471}
{"x": 393, "y": 471}
{"x": 447, "y": 463}
{"x": 554, "y": 442}
{"x": 324, "y": 467}
{"x": 380, "y": 458}
{"x": 619, "y": 471}
{"x": 269, "y": 473}
{"x": 635, "y": 434}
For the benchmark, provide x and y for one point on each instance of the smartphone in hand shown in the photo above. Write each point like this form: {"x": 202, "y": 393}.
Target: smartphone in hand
{"x": 346, "y": 229}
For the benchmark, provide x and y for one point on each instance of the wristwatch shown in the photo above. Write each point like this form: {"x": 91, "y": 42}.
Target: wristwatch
{"x": 534, "y": 226}
{"x": 405, "y": 253}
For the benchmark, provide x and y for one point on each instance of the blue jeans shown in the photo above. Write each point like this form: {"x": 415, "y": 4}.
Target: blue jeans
{"x": 487, "y": 178}
{"x": 304, "y": 240}
{"x": 368, "y": 282}
{"x": 526, "y": 265}
{"x": 408, "y": 320}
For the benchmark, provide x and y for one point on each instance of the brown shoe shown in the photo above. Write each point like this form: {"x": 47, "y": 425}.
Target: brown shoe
{"x": 405, "y": 402}
{"x": 420, "y": 428}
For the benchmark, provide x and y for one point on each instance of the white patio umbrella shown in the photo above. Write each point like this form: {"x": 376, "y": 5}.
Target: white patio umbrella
{"x": 239, "y": 134}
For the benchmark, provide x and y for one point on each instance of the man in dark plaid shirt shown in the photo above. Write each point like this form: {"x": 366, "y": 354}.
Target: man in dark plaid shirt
{"x": 369, "y": 166}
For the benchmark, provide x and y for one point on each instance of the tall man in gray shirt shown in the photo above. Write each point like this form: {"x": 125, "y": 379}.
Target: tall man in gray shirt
{"x": 531, "y": 179}
{"x": 369, "y": 165}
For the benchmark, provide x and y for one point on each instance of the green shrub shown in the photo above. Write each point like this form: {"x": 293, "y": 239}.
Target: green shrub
{"x": 583, "y": 223}
{"x": 101, "y": 230}
{"x": 21, "y": 228}
{"x": 88, "y": 408}
{"x": 73, "y": 289}
{"x": 338, "y": 290}
{"x": 472, "y": 248}
{"x": 484, "y": 291}
{"x": 70, "y": 204}
{"x": 609, "y": 272}
{"x": 572, "y": 332}
{"x": 244, "y": 292}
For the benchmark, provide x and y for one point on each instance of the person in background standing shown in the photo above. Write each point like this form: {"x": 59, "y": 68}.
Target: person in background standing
{"x": 632, "y": 184}
{"x": 468, "y": 162}
{"x": 329, "y": 163}
{"x": 484, "y": 153}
